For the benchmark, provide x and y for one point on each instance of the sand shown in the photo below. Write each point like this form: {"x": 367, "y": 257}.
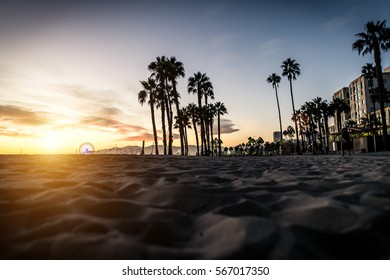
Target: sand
{"x": 150, "y": 207}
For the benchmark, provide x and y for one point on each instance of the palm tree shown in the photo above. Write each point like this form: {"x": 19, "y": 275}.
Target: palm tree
{"x": 318, "y": 103}
{"x": 193, "y": 113}
{"x": 151, "y": 90}
{"x": 291, "y": 71}
{"x": 176, "y": 70}
{"x": 208, "y": 93}
{"x": 375, "y": 39}
{"x": 210, "y": 113}
{"x": 183, "y": 120}
{"x": 199, "y": 84}
{"x": 339, "y": 106}
{"x": 368, "y": 72}
{"x": 159, "y": 69}
{"x": 221, "y": 110}
{"x": 275, "y": 80}
{"x": 309, "y": 109}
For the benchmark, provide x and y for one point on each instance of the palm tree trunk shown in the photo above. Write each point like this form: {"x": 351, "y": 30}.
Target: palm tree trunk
{"x": 181, "y": 130}
{"x": 169, "y": 115}
{"x": 320, "y": 131}
{"x": 163, "y": 127}
{"x": 296, "y": 125}
{"x": 212, "y": 137}
{"x": 326, "y": 133}
{"x": 196, "y": 136}
{"x": 154, "y": 127}
{"x": 219, "y": 134}
{"x": 381, "y": 86}
{"x": 280, "y": 118}
{"x": 202, "y": 130}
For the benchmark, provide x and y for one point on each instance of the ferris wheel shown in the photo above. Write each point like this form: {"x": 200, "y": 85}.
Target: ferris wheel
{"x": 86, "y": 148}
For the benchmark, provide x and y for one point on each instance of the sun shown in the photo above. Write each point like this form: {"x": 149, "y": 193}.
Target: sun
{"x": 50, "y": 142}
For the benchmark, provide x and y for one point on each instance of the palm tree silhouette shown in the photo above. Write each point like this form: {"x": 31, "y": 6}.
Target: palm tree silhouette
{"x": 221, "y": 110}
{"x": 150, "y": 90}
{"x": 174, "y": 71}
{"x": 159, "y": 70}
{"x": 275, "y": 80}
{"x": 368, "y": 72}
{"x": 193, "y": 113}
{"x": 375, "y": 39}
{"x": 339, "y": 106}
{"x": 198, "y": 84}
{"x": 291, "y": 71}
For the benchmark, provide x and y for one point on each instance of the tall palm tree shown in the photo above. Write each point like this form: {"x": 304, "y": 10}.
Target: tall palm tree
{"x": 275, "y": 80}
{"x": 160, "y": 70}
{"x": 176, "y": 70}
{"x": 208, "y": 93}
{"x": 291, "y": 70}
{"x": 210, "y": 113}
{"x": 183, "y": 120}
{"x": 160, "y": 104}
{"x": 221, "y": 110}
{"x": 318, "y": 109}
{"x": 339, "y": 106}
{"x": 368, "y": 72}
{"x": 193, "y": 113}
{"x": 198, "y": 84}
{"x": 375, "y": 39}
{"x": 309, "y": 109}
{"x": 150, "y": 90}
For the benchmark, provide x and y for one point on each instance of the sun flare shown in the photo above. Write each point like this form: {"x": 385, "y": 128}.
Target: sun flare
{"x": 50, "y": 142}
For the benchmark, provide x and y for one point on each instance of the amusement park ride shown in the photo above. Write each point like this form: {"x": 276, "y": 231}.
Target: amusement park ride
{"x": 86, "y": 148}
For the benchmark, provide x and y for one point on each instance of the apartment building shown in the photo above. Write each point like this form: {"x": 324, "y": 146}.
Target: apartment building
{"x": 360, "y": 100}
{"x": 342, "y": 94}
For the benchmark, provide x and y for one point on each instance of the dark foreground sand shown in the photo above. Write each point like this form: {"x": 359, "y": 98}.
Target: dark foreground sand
{"x": 132, "y": 207}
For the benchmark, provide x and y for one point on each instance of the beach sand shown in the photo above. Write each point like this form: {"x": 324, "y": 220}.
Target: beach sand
{"x": 150, "y": 207}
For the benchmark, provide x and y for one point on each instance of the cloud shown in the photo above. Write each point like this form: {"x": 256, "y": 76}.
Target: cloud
{"x": 339, "y": 21}
{"x": 121, "y": 127}
{"x": 4, "y": 131}
{"x": 271, "y": 47}
{"x": 221, "y": 40}
{"x": 227, "y": 127}
{"x": 335, "y": 23}
{"x": 19, "y": 115}
{"x": 141, "y": 137}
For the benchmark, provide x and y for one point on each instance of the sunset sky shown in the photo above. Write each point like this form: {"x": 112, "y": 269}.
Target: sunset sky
{"x": 70, "y": 70}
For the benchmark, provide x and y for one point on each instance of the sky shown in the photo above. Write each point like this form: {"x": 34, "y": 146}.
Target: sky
{"x": 70, "y": 71}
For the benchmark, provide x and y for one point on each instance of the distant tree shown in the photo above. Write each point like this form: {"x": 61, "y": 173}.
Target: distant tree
{"x": 193, "y": 112}
{"x": 375, "y": 39}
{"x": 221, "y": 110}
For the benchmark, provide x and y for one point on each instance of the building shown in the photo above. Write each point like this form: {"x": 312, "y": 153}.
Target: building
{"x": 360, "y": 100}
{"x": 276, "y": 136}
{"x": 342, "y": 94}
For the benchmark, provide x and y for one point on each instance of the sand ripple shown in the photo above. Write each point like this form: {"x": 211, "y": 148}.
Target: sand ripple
{"x": 131, "y": 207}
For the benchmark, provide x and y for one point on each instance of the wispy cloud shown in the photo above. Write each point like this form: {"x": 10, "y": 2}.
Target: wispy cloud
{"x": 120, "y": 127}
{"x": 227, "y": 127}
{"x": 271, "y": 47}
{"x": 338, "y": 22}
{"x": 221, "y": 40}
{"x": 23, "y": 116}
{"x": 13, "y": 132}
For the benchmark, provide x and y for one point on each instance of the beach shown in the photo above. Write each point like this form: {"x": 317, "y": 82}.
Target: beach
{"x": 173, "y": 207}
